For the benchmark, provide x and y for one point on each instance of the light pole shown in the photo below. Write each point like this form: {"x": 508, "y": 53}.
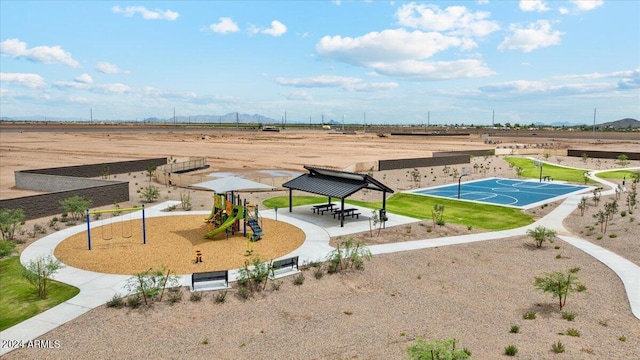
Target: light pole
{"x": 464, "y": 173}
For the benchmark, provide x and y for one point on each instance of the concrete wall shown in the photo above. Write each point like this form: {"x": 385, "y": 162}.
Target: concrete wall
{"x": 423, "y": 162}
{"x": 68, "y": 181}
{"x": 603, "y": 154}
{"x": 37, "y": 206}
{"x": 482, "y": 152}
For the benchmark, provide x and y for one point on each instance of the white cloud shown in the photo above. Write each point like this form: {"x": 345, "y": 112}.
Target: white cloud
{"x": 342, "y": 82}
{"x": 32, "y": 81}
{"x": 84, "y": 79}
{"x": 563, "y": 10}
{"x": 454, "y": 20}
{"x": 108, "y": 68}
{"x": 147, "y": 14}
{"x": 535, "y": 35}
{"x": 224, "y": 25}
{"x": 436, "y": 70}
{"x": 533, "y": 5}
{"x": 277, "y": 28}
{"x": 587, "y": 5}
{"x": 299, "y": 95}
{"x": 42, "y": 54}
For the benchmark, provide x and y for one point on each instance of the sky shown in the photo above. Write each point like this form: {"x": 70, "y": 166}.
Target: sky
{"x": 369, "y": 62}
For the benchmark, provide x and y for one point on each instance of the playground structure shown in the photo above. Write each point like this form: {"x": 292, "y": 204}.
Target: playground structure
{"x": 107, "y": 228}
{"x": 226, "y": 214}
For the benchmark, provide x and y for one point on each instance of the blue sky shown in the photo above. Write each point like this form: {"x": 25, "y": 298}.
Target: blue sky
{"x": 377, "y": 62}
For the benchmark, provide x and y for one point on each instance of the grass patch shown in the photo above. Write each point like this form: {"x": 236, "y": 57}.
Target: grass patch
{"x": 20, "y": 299}
{"x": 556, "y": 172}
{"x": 616, "y": 174}
{"x": 483, "y": 216}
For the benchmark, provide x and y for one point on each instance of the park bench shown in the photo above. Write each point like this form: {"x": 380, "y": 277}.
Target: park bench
{"x": 346, "y": 212}
{"x": 221, "y": 278}
{"x": 289, "y": 265}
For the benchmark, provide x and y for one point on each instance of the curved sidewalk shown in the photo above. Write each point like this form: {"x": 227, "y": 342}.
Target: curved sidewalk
{"x": 97, "y": 288}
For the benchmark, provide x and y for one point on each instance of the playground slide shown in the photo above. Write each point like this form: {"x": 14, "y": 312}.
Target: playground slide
{"x": 230, "y": 220}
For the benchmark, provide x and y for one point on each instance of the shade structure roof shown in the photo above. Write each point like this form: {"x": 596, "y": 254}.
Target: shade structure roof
{"x": 231, "y": 183}
{"x": 334, "y": 183}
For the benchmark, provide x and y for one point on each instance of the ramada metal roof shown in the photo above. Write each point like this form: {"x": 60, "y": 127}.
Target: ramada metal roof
{"x": 334, "y": 183}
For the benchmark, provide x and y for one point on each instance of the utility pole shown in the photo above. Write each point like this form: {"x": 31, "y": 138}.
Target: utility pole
{"x": 594, "y": 123}
{"x": 493, "y": 121}
{"x": 174, "y": 117}
{"x": 90, "y": 115}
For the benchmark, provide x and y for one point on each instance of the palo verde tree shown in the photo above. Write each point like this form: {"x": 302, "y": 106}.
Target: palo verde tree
{"x": 559, "y": 284}
{"x": 75, "y": 205}
{"x": 39, "y": 271}
{"x": 11, "y": 222}
{"x": 582, "y": 205}
{"x": 437, "y": 214}
{"x": 541, "y": 234}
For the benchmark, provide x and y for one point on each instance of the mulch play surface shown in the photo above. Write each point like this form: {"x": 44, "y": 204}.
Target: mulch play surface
{"x": 172, "y": 242}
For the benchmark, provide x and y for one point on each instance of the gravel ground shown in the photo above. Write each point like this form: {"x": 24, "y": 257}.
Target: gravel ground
{"x": 472, "y": 292}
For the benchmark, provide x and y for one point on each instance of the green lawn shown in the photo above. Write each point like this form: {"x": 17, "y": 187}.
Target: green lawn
{"x": 20, "y": 299}
{"x": 283, "y": 201}
{"x": 617, "y": 174}
{"x": 489, "y": 217}
{"x": 556, "y": 172}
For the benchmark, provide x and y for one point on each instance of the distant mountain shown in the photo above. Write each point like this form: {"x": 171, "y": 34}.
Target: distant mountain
{"x": 224, "y": 119}
{"x": 621, "y": 124}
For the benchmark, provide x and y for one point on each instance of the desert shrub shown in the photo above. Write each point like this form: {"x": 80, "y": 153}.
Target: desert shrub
{"x": 116, "y": 301}
{"x": 541, "y": 234}
{"x": 318, "y": 273}
{"x": 437, "y": 349}
{"x": 38, "y": 272}
{"x": 514, "y": 329}
{"x": 244, "y": 293}
{"x": 152, "y": 283}
{"x": 7, "y": 248}
{"x": 559, "y": 284}
{"x": 253, "y": 274}
{"x": 275, "y": 285}
{"x": 531, "y": 315}
{"x": 622, "y": 338}
{"x": 511, "y": 350}
{"x": 195, "y": 296}
{"x": 76, "y": 206}
{"x": 557, "y": 347}
{"x": 573, "y": 332}
{"x": 220, "y": 297}
{"x": 175, "y": 295}
{"x": 134, "y": 301}
{"x": 348, "y": 254}
{"x": 298, "y": 279}
{"x": 569, "y": 316}
{"x": 150, "y": 193}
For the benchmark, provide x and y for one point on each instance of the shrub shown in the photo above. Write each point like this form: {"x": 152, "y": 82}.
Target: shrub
{"x": 622, "y": 338}
{"x": 514, "y": 329}
{"x": 115, "y": 302}
{"x": 7, "y": 248}
{"x": 511, "y": 350}
{"x": 220, "y": 297}
{"x": 541, "y": 234}
{"x": 76, "y": 206}
{"x": 11, "y": 221}
{"x": 573, "y": 332}
{"x": 531, "y": 315}
{"x": 613, "y": 236}
{"x": 152, "y": 283}
{"x": 318, "y": 273}
{"x": 275, "y": 285}
{"x": 568, "y": 316}
{"x": 557, "y": 347}
{"x": 195, "y": 296}
{"x": 150, "y": 194}
{"x": 253, "y": 274}
{"x": 175, "y": 295}
{"x": 244, "y": 293}
{"x": 134, "y": 301}
{"x": 298, "y": 279}
{"x": 347, "y": 255}
{"x": 623, "y": 213}
{"x": 437, "y": 349}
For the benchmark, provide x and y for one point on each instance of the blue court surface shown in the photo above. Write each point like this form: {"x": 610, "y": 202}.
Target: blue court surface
{"x": 523, "y": 194}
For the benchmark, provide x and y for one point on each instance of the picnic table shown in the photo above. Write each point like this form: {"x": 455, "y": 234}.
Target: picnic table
{"x": 346, "y": 212}
{"x": 320, "y": 209}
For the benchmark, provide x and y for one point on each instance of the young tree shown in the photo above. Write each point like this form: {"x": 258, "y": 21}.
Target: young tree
{"x": 632, "y": 199}
{"x": 582, "y": 205}
{"x": 596, "y": 195}
{"x": 150, "y": 170}
{"x": 11, "y": 222}
{"x": 519, "y": 171}
{"x": 75, "y": 205}
{"x": 623, "y": 160}
{"x": 559, "y": 284}
{"x": 601, "y": 219}
{"x": 38, "y": 273}
{"x": 541, "y": 234}
{"x": 585, "y": 158}
{"x": 415, "y": 176}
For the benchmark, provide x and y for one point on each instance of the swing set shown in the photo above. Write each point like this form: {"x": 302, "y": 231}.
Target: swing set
{"x": 107, "y": 229}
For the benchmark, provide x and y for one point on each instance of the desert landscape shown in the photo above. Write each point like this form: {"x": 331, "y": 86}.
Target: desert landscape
{"x": 473, "y": 292}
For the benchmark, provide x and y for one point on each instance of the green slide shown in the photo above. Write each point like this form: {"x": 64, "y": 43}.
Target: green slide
{"x": 230, "y": 220}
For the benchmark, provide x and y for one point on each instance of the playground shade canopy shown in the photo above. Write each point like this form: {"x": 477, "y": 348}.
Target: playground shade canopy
{"x": 231, "y": 183}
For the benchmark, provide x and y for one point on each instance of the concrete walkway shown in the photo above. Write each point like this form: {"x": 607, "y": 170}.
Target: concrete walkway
{"x": 98, "y": 288}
